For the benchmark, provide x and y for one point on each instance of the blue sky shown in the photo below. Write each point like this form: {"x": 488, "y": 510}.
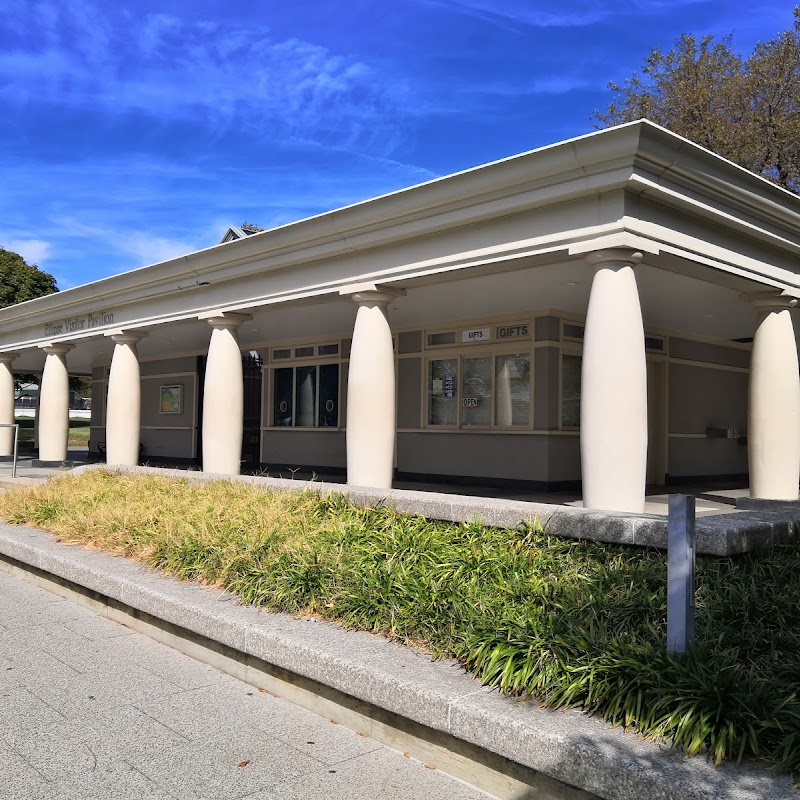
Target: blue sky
{"x": 134, "y": 131}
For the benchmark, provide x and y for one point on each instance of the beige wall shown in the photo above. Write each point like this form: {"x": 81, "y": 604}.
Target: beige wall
{"x": 409, "y": 393}
{"x": 563, "y": 458}
{"x": 162, "y": 435}
{"x": 706, "y": 457}
{"x": 169, "y": 435}
{"x": 168, "y": 443}
{"x": 709, "y": 352}
{"x": 297, "y": 447}
{"x": 546, "y": 378}
{"x": 704, "y": 385}
{"x": 707, "y": 389}
{"x": 167, "y": 366}
{"x": 703, "y": 400}
{"x": 488, "y": 455}
{"x": 704, "y": 397}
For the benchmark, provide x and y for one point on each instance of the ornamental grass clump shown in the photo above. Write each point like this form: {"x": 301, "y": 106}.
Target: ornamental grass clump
{"x": 572, "y": 624}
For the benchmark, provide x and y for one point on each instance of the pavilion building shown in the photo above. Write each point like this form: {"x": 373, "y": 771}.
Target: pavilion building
{"x": 614, "y": 310}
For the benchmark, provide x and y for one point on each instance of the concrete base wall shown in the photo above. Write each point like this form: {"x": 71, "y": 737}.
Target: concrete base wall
{"x": 488, "y": 455}
{"x": 711, "y": 457}
{"x": 299, "y": 448}
{"x": 166, "y": 444}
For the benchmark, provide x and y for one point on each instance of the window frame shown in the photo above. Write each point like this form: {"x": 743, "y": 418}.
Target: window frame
{"x": 491, "y": 350}
{"x": 317, "y": 362}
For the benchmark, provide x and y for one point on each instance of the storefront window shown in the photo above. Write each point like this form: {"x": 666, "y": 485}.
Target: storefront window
{"x": 443, "y": 391}
{"x": 512, "y": 389}
{"x": 480, "y": 391}
{"x": 476, "y": 392}
{"x": 329, "y": 396}
{"x": 570, "y": 391}
{"x": 284, "y": 395}
{"x": 306, "y": 397}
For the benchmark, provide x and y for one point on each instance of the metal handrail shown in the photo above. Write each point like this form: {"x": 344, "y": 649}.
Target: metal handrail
{"x": 15, "y": 426}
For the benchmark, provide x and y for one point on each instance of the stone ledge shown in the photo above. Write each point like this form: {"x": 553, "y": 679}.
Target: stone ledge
{"x": 15, "y": 483}
{"x": 570, "y": 747}
{"x": 759, "y": 504}
{"x": 719, "y": 535}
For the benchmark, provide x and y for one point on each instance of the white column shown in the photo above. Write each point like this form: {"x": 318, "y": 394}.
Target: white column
{"x": 614, "y": 387}
{"x": 223, "y": 396}
{"x": 124, "y": 401}
{"x": 371, "y": 396}
{"x": 773, "y": 422}
{"x": 7, "y": 404}
{"x": 53, "y": 414}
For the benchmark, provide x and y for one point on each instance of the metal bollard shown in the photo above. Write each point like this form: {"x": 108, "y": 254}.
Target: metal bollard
{"x": 680, "y": 573}
{"x": 15, "y": 426}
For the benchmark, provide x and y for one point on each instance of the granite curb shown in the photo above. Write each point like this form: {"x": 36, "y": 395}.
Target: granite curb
{"x": 570, "y": 747}
{"x": 719, "y": 535}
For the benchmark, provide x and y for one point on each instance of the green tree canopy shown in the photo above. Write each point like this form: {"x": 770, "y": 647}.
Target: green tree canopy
{"x": 20, "y": 281}
{"x": 745, "y": 108}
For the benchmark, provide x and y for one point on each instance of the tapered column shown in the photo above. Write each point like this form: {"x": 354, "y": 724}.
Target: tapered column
{"x": 371, "y": 397}
{"x": 614, "y": 387}
{"x": 773, "y": 418}
{"x": 53, "y": 413}
{"x": 223, "y": 396}
{"x": 7, "y": 404}
{"x": 124, "y": 401}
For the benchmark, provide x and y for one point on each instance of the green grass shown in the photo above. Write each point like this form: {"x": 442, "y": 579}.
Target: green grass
{"x": 78, "y": 431}
{"x": 571, "y": 624}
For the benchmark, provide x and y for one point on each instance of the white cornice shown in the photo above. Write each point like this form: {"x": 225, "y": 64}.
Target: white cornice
{"x": 639, "y": 157}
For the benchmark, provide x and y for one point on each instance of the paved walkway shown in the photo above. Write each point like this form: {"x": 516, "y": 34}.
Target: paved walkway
{"x": 90, "y": 709}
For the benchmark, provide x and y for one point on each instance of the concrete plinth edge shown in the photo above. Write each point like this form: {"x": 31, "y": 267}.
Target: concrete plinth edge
{"x": 719, "y": 535}
{"x": 15, "y": 483}
{"x": 395, "y": 694}
{"x": 761, "y": 504}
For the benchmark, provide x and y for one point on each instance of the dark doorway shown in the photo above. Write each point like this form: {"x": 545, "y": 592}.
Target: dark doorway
{"x": 251, "y": 433}
{"x": 201, "y": 386}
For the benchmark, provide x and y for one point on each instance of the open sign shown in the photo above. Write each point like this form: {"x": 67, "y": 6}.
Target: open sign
{"x": 471, "y": 402}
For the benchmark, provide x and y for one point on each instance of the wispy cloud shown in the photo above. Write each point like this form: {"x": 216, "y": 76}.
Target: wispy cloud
{"x": 34, "y": 251}
{"x": 555, "y": 84}
{"x": 110, "y": 214}
{"x": 130, "y": 136}
{"x": 79, "y": 54}
{"x": 565, "y": 14}
{"x": 149, "y": 249}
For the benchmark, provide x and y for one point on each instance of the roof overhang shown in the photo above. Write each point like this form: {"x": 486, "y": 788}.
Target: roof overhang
{"x": 544, "y": 203}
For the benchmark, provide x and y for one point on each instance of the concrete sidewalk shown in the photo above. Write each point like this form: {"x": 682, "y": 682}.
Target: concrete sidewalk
{"x": 391, "y": 693}
{"x": 91, "y": 709}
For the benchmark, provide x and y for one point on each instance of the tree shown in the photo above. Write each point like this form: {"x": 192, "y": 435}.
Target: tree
{"x": 746, "y": 109}
{"x": 250, "y": 227}
{"x": 20, "y": 281}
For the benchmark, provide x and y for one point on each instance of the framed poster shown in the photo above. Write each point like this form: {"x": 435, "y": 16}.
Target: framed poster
{"x": 171, "y": 399}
